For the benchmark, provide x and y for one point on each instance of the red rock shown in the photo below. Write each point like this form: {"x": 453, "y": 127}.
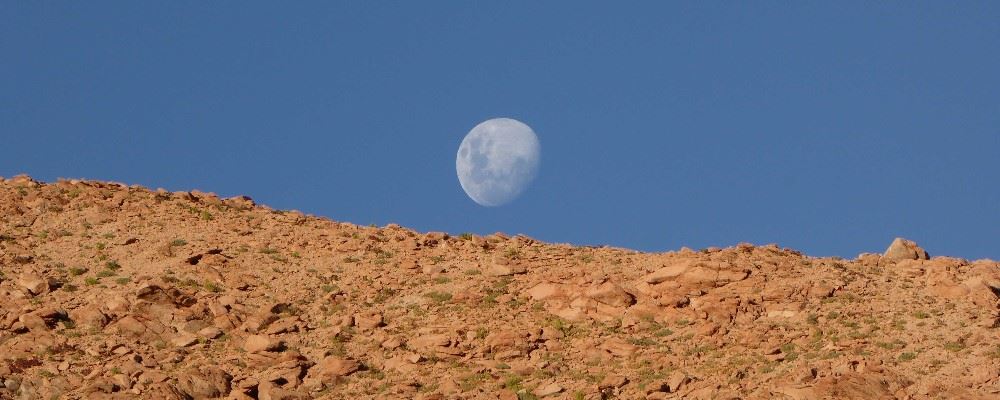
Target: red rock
{"x": 507, "y": 394}
{"x": 507, "y": 340}
{"x": 505, "y": 270}
{"x": 431, "y": 341}
{"x": 33, "y": 322}
{"x": 261, "y": 343}
{"x": 902, "y": 249}
{"x": 676, "y": 380}
{"x": 210, "y": 332}
{"x": 619, "y": 348}
{"x": 550, "y": 333}
{"x": 273, "y": 391}
{"x": 547, "y": 390}
{"x": 666, "y": 273}
{"x": 332, "y": 367}
{"x": 392, "y": 343}
{"x": 610, "y": 294}
{"x": 283, "y": 325}
{"x": 89, "y": 317}
{"x": 33, "y": 283}
{"x": 288, "y": 374}
{"x": 558, "y": 315}
{"x": 184, "y": 339}
{"x": 209, "y": 382}
{"x": 612, "y": 382}
{"x": 367, "y": 321}
{"x": 259, "y": 321}
{"x": 545, "y": 291}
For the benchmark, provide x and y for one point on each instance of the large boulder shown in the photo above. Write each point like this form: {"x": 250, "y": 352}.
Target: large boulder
{"x": 696, "y": 274}
{"x": 902, "y": 249}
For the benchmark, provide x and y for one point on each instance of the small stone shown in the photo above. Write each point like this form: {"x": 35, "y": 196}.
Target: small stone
{"x": 260, "y": 343}
{"x": 122, "y": 381}
{"x": 194, "y": 326}
{"x": 619, "y": 347}
{"x": 205, "y": 383}
{"x": 676, "y": 380}
{"x": 184, "y": 340}
{"x": 413, "y": 358}
{"x": 409, "y": 264}
{"x": 117, "y": 305}
{"x": 432, "y": 269}
{"x": 210, "y": 332}
{"x": 610, "y": 294}
{"x": 33, "y": 283}
{"x": 332, "y": 367}
{"x": 708, "y": 330}
{"x": 392, "y": 343}
{"x": 259, "y": 321}
{"x": 284, "y": 325}
{"x": 612, "y": 382}
{"x": 33, "y": 322}
{"x": 428, "y": 342}
{"x": 367, "y": 321}
{"x": 89, "y": 317}
{"x": 550, "y": 333}
{"x": 547, "y": 390}
{"x": 227, "y": 300}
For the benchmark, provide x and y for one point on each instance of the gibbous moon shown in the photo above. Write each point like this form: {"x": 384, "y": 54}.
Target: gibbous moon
{"x": 497, "y": 160}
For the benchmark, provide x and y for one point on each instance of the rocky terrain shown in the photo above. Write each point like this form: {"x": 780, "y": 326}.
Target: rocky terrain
{"x": 115, "y": 291}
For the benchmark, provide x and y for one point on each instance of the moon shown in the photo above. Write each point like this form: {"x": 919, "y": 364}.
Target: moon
{"x": 497, "y": 161}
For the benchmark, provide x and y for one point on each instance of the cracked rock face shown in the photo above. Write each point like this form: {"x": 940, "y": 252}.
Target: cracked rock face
{"x": 108, "y": 290}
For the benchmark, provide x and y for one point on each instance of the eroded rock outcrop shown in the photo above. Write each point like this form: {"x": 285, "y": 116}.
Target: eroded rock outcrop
{"x": 114, "y": 291}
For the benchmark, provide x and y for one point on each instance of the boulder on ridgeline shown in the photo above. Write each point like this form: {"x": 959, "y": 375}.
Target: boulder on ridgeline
{"x": 902, "y": 249}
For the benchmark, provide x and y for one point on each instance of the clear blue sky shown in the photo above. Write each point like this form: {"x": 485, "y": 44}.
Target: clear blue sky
{"x": 829, "y": 128}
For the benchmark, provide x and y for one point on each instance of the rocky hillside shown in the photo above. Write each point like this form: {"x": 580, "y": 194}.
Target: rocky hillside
{"x": 112, "y": 291}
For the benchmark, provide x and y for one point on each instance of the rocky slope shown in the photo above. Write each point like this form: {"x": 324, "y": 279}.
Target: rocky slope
{"x": 121, "y": 292}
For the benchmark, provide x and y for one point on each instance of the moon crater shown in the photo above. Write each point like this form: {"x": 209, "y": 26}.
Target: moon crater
{"x": 497, "y": 161}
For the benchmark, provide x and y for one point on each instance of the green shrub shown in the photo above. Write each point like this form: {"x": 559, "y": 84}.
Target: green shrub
{"x": 212, "y": 287}
{"x": 954, "y": 346}
{"x": 439, "y": 297}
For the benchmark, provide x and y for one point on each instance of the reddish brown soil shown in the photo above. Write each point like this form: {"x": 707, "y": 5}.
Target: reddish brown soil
{"x": 111, "y": 291}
